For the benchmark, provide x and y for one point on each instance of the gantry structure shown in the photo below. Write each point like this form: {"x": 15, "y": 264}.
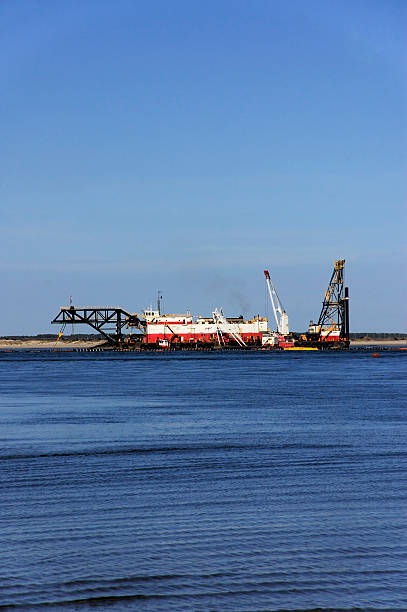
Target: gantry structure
{"x": 109, "y": 321}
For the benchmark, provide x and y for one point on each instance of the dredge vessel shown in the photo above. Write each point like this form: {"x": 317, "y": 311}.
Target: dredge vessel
{"x": 155, "y": 330}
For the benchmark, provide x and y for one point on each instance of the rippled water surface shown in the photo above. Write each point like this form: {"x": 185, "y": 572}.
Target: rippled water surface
{"x": 199, "y": 481}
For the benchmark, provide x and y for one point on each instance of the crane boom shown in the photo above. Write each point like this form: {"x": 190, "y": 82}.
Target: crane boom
{"x": 335, "y": 307}
{"x": 280, "y": 314}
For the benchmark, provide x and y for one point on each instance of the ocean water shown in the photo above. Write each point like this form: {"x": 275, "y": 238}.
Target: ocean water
{"x": 203, "y": 481}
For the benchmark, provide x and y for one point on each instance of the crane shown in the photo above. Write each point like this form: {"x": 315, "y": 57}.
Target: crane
{"x": 280, "y": 314}
{"x": 333, "y": 322}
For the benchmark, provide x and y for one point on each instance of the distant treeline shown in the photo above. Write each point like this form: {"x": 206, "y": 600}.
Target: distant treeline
{"x": 377, "y": 336}
{"x": 55, "y": 336}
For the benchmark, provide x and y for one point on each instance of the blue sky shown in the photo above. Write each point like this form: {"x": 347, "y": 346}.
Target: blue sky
{"x": 186, "y": 146}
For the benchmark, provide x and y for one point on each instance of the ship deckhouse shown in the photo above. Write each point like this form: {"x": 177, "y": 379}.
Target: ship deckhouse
{"x": 181, "y": 328}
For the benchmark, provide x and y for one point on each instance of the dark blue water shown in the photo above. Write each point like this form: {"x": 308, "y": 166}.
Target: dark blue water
{"x": 199, "y": 481}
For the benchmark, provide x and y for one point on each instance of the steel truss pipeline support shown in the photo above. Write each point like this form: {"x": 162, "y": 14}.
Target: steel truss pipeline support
{"x": 102, "y": 319}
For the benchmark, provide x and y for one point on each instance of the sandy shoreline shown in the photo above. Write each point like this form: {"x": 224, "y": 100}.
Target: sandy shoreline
{"x": 49, "y": 344}
{"x": 87, "y": 344}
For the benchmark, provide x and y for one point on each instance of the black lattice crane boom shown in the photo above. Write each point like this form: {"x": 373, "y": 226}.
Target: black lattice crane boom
{"x": 333, "y": 322}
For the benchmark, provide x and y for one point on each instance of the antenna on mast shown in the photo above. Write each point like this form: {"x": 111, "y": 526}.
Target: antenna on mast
{"x": 159, "y": 298}
{"x": 70, "y": 304}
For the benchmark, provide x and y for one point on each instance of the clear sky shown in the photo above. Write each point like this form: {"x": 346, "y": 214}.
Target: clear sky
{"x": 186, "y": 146}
